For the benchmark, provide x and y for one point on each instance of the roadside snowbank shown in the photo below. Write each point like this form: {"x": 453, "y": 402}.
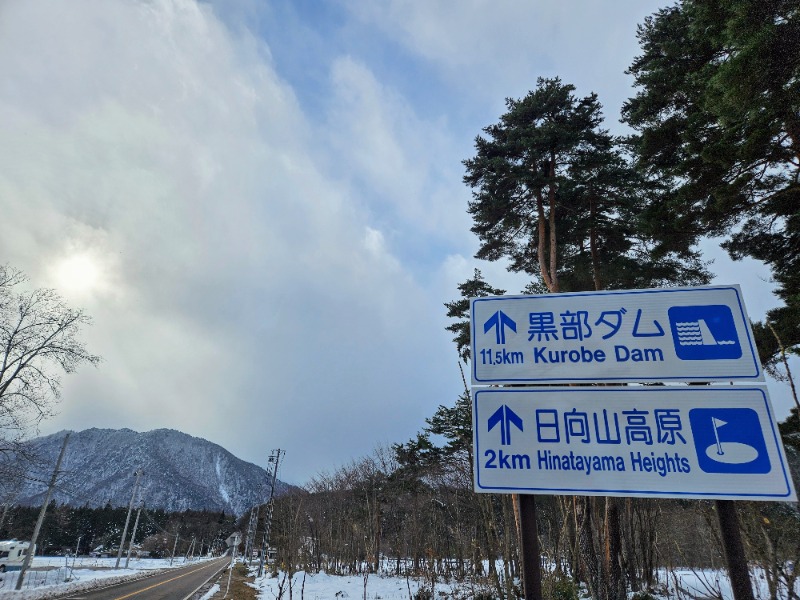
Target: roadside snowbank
{"x": 54, "y": 575}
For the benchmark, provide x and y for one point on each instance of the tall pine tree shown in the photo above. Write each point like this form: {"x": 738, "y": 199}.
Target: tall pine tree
{"x": 553, "y": 193}
{"x": 717, "y": 116}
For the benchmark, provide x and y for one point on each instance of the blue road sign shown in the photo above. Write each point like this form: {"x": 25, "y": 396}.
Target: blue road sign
{"x": 676, "y": 334}
{"x": 666, "y": 441}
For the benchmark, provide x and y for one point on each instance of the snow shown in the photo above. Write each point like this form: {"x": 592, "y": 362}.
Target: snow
{"x": 680, "y": 584}
{"x": 211, "y": 591}
{"x": 47, "y": 573}
{"x": 89, "y": 573}
{"x": 320, "y": 586}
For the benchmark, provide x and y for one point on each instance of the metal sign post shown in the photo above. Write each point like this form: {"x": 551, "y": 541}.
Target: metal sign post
{"x": 529, "y": 548}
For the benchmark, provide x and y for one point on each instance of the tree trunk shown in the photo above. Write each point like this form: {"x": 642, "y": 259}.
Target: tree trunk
{"x": 617, "y": 587}
{"x": 734, "y": 550}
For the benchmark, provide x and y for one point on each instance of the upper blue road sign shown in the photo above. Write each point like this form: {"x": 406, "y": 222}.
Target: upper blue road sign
{"x": 676, "y": 334}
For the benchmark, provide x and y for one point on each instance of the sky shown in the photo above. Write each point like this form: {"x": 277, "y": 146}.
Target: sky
{"x": 260, "y": 202}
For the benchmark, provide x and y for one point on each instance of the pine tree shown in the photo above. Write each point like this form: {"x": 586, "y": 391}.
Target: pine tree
{"x": 717, "y": 116}
{"x": 553, "y": 193}
{"x": 459, "y": 309}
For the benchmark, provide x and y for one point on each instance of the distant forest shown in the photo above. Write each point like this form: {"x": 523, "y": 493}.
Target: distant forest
{"x": 64, "y": 526}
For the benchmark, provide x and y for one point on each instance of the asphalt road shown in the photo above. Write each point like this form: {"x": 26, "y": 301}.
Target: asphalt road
{"x": 175, "y": 584}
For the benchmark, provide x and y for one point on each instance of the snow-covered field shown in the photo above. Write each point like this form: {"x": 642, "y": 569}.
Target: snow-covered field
{"x": 47, "y": 573}
{"x": 319, "y": 586}
{"x": 679, "y": 584}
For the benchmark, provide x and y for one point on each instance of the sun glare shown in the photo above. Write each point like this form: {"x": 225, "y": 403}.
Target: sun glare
{"x": 77, "y": 274}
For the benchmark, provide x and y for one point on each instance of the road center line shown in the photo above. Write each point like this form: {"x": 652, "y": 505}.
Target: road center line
{"x": 162, "y": 583}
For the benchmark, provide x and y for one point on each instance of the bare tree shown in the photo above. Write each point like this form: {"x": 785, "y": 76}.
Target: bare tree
{"x": 39, "y": 340}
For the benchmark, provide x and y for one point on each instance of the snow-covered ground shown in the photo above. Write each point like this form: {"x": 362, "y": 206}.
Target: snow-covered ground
{"x": 319, "y": 586}
{"x": 680, "y": 584}
{"x": 87, "y": 573}
{"x": 46, "y": 573}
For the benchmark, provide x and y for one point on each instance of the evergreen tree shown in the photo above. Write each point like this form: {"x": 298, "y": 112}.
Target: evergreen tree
{"x": 459, "y": 309}
{"x": 717, "y": 116}
{"x": 553, "y": 192}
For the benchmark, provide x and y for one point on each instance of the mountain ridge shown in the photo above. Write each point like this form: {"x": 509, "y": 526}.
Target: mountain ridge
{"x": 180, "y": 471}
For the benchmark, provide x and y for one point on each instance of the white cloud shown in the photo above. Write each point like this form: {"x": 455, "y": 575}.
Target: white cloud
{"x": 405, "y": 165}
{"x": 260, "y": 276}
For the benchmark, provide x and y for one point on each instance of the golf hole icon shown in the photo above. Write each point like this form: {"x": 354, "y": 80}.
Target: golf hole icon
{"x": 729, "y": 440}
{"x": 734, "y": 453}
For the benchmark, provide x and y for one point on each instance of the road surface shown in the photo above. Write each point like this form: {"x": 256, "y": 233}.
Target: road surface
{"x": 175, "y": 584}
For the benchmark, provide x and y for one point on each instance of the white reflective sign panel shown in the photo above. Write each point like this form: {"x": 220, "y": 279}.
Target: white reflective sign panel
{"x": 670, "y": 442}
{"x": 676, "y": 334}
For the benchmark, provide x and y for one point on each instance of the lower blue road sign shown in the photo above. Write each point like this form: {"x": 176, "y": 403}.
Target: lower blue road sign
{"x": 670, "y": 441}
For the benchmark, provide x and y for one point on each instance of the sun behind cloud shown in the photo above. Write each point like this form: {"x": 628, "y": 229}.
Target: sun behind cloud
{"x": 78, "y": 274}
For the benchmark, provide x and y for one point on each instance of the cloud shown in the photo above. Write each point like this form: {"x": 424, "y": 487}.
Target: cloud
{"x": 399, "y": 162}
{"x": 265, "y": 257}
{"x": 155, "y": 159}
{"x": 498, "y": 49}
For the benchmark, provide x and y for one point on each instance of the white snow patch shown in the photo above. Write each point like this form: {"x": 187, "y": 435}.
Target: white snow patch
{"x": 213, "y": 590}
{"x": 678, "y": 583}
{"x": 222, "y": 491}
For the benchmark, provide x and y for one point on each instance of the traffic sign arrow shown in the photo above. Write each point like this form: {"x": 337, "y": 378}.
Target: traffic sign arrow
{"x": 500, "y": 321}
{"x": 505, "y": 416}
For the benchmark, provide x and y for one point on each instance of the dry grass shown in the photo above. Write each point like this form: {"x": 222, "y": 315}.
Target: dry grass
{"x": 239, "y": 589}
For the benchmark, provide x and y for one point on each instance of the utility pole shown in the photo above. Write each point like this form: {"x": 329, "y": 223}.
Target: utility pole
{"x": 274, "y": 458}
{"x": 236, "y": 540}
{"x": 174, "y": 546}
{"x": 77, "y": 547}
{"x": 133, "y": 535}
{"x": 252, "y": 524}
{"x": 138, "y": 474}
{"x": 32, "y": 548}
{"x": 190, "y": 550}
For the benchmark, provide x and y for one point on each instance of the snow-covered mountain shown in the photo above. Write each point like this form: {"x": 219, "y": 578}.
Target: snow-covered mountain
{"x": 179, "y": 471}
